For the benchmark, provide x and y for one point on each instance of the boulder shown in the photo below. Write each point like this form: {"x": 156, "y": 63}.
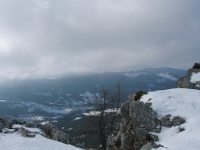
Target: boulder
{"x": 185, "y": 82}
{"x": 177, "y": 121}
{"x": 137, "y": 120}
{"x": 166, "y": 121}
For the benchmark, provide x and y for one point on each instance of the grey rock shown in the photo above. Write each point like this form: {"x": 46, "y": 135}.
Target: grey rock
{"x": 154, "y": 138}
{"x": 177, "y": 121}
{"x": 137, "y": 120}
{"x": 156, "y": 145}
{"x": 15, "y": 121}
{"x": 25, "y": 133}
{"x": 184, "y": 82}
{"x": 53, "y": 133}
{"x": 165, "y": 121}
{"x": 147, "y": 146}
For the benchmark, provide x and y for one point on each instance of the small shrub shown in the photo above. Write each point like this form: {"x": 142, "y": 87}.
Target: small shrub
{"x": 138, "y": 95}
{"x": 196, "y": 66}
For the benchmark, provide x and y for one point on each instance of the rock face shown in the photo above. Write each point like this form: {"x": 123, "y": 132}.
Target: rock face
{"x": 50, "y": 131}
{"x": 138, "y": 119}
{"x": 185, "y": 82}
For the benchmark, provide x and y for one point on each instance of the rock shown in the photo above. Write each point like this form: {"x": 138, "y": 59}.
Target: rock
{"x": 137, "y": 120}
{"x": 154, "y": 138}
{"x": 15, "y": 121}
{"x": 62, "y": 137}
{"x": 165, "y": 121}
{"x": 33, "y": 125}
{"x": 185, "y": 82}
{"x": 25, "y": 133}
{"x": 147, "y": 146}
{"x": 156, "y": 145}
{"x": 53, "y": 133}
{"x": 3, "y": 123}
{"x": 177, "y": 121}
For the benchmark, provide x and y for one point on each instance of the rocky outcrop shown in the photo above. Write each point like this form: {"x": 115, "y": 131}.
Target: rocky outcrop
{"x": 185, "y": 82}
{"x": 49, "y": 130}
{"x": 137, "y": 120}
{"x": 138, "y": 123}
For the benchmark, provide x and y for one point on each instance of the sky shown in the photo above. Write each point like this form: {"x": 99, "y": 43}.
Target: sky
{"x": 56, "y": 38}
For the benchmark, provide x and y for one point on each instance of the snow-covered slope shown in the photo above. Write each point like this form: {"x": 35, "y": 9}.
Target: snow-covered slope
{"x": 14, "y": 141}
{"x": 178, "y": 102}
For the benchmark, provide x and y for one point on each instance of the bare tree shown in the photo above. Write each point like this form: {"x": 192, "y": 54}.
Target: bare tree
{"x": 102, "y": 120}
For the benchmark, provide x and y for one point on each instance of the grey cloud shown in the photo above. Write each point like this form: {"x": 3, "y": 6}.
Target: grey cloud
{"x": 56, "y": 38}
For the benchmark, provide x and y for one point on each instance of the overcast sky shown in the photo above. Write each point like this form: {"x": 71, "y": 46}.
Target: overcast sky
{"x": 54, "y": 38}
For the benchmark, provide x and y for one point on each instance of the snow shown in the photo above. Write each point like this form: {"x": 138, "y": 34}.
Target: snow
{"x": 165, "y": 75}
{"x": 178, "y": 102}
{"x": 3, "y": 101}
{"x": 97, "y": 113}
{"x": 77, "y": 118}
{"x": 35, "y": 130}
{"x": 135, "y": 74}
{"x": 195, "y": 77}
{"x": 14, "y": 141}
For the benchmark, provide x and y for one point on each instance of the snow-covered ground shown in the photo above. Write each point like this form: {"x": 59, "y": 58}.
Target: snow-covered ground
{"x": 14, "y": 141}
{"x": 195, "y": 77}
{"x": 178, "y": 102}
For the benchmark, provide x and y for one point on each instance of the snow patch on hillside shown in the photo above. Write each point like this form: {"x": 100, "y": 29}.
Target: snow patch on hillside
{"x": 135, "y": 74}
{"x": 178, "y": 102}
{"x": 166, "y": 75}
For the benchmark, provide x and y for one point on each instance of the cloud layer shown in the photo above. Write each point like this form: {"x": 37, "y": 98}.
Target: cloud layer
{"x": 47, "y": 38}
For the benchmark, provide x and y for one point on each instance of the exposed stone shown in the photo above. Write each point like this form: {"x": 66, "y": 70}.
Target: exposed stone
{"x": 154, "y": 138}
{"x": 165, "y": 121}
{"x": 185, "y": 82}
{"x": 147, "y": 146}
{"x": 53, "y": 133}
{"x": 25, "y": 133}
{"x": 156, "y": 145}
{"x": 157, "y": 129}
{"x": 137, "y": 120}
{"x": 181, "y": 129}
{"x": 3, "y": 123}
{"x": 177, "y": 121}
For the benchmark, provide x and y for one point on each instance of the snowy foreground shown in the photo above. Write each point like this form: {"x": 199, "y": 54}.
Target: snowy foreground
{"x": 14, "y": 141}
{"x": 178, "y": 102}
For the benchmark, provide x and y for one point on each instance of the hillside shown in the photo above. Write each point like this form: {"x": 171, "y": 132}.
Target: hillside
{"x": 177, "y": 102}
{"x": 163, "y": 119}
